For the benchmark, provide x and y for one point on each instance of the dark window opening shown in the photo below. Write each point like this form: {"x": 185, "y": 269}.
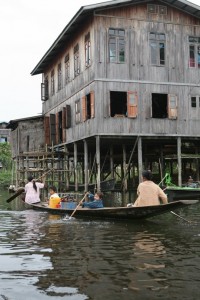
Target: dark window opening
{"x": 159, "y": 106}
{"x": 118, "y": 104}
{"x": 27, "y": 143}
{"x": 193, "y": 102}
{"x": 60, "y": 129}
{"x": 88, "y": 106}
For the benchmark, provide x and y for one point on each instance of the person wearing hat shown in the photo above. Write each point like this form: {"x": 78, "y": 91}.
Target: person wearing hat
{"x": 148, "y": 192}
{"x": 32, "y": 190}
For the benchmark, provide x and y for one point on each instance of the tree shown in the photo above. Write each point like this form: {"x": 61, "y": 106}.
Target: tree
{"x": 5, "y": 156}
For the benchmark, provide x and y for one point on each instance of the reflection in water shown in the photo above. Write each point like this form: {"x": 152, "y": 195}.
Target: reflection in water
{"x": 43, "y": 256}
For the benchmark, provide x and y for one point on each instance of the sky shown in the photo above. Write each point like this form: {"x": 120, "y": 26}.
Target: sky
{"x": 28, "y": 29}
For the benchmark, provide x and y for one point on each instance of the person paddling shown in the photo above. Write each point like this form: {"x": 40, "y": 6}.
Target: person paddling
{"x": 95, "y": 201}
{"x": 32, "y": 190}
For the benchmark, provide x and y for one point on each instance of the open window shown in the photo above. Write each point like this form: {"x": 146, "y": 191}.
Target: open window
{"x": 164, "y": 106}
{"x": 53, "y": 128}
{"x": 118, "y": 104}
{"x": 88, "y": 106}
{"x": 60, "y": 127}
{"x": 123, "y": 104}
{"x": 47, "y": 130}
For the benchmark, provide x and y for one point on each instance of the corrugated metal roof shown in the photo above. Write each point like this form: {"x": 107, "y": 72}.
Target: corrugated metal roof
{"x": 87, "y": 11}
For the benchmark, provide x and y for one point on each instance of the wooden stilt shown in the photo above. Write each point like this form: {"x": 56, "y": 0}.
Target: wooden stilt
{"x": 86, "y": 164}
{"x": 140, "y": 166}
{"x": 179, "y": 161}
{"x": 98, "y": 163}
{"x": 75, "y": 167}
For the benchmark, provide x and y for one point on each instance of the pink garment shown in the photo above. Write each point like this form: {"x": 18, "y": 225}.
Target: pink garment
{"x": 150, "y": 193}
{"x": 33, "y": 196}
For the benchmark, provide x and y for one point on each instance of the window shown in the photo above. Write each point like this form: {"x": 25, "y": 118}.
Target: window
{"x": 60, "y": 127}
{"x": 77, "y": 112}
{"x": 195, "y": 101}
{"x": 157, "y": 48}
{"x": 87, "y": 50}
{"x": 45, "y": 89}
{"x": 52, "y": 83}
{"x": 76, "y": 61}
{"x": 194, "y": 52}
{"x": 156, "y": 9}
{"x": 3, "y": 139}
{"x": 67, "y": 69}
{"x": 53, "y": 128}
{"x": 59, "y": 77}
{"x": 88, "y": 106}
{"x": 164, "y": 106}
{"x": 123, "y": 104}
{"x": 116, "y": 45}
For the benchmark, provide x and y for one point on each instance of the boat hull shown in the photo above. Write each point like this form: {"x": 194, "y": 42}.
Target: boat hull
{"x": 174, "y": 194}
{"x": 129, "y": 213}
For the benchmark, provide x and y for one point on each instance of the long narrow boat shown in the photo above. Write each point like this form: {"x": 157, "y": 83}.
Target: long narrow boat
{"x": 180, "y": 193}
{"x": 131, "y": 213}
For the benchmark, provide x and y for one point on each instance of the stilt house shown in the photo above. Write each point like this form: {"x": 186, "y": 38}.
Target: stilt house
{"x": 121, "y": 91}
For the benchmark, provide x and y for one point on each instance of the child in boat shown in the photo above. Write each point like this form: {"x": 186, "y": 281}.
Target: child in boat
{"x": 95, "y": 201}
{"x": 54, "y": 200}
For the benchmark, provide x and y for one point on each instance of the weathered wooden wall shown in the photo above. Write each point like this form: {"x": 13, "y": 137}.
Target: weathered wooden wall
{"x": 136, "y": 74}
{"x": 28, "y": 136}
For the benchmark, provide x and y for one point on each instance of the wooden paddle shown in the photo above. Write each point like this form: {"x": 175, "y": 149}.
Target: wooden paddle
{"x": 188, "y": 221}
{"x": 77, "y": 206}
{"x": 21, "y": 189}
{"x": 19, "y": 192}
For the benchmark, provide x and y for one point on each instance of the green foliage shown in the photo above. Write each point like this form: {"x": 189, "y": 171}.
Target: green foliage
{"x": 5, "y": 178}
{"x": 5, "y": 156}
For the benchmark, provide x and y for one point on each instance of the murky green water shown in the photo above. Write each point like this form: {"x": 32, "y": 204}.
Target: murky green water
{"x": 43, "y": 256}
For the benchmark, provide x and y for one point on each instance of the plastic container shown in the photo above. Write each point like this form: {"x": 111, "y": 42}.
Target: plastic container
{"x": 68, "y": 205}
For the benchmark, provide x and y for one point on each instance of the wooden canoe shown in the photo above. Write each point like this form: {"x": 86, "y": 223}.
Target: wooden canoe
{"x": 180, "y": 193}
{"x": 131, "y": 213}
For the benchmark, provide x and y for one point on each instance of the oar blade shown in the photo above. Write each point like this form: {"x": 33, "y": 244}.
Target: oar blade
{"x": 19, "y": 192}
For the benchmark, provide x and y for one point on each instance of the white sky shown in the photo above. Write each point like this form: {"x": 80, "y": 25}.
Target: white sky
{"x": 28, "y": 29}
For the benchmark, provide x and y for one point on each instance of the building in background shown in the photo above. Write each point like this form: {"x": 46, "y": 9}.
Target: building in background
{"x": 121, "y": 91}
{"x": 4, "y": 133}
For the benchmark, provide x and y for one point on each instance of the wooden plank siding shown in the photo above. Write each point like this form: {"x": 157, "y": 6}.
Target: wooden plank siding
{"x": 136, "y": 76}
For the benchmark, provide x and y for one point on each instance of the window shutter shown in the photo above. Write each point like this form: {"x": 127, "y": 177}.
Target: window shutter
{"x": 53, "y": 128}
{"x": 132, "y": 101}
{"x": 64, "y": 111}
{"x": 172, "y": 106}
{"x": 47, "y": 131}
{"x": 84, "y": 112}
{"x": 92, "y": 104}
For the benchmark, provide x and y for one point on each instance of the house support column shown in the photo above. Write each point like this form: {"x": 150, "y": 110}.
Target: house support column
{"x": 86, "y": 164}
{"x": 140, "y": 166}
{"x": 75, "y": 167}
{"x": 66, "y": 168}
{"x": 98, "y": 157}
{"x": 111, "y": 162}
{"x": 124, "y": 179}
{"x": 179, "y": 161}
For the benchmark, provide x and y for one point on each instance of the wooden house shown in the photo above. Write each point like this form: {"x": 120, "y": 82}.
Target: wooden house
{"x": 121, "y": 90}
{"x": 4, "y": 133}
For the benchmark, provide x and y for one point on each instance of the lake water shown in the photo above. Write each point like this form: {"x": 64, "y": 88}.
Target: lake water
{"x": 45, "y": 257}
